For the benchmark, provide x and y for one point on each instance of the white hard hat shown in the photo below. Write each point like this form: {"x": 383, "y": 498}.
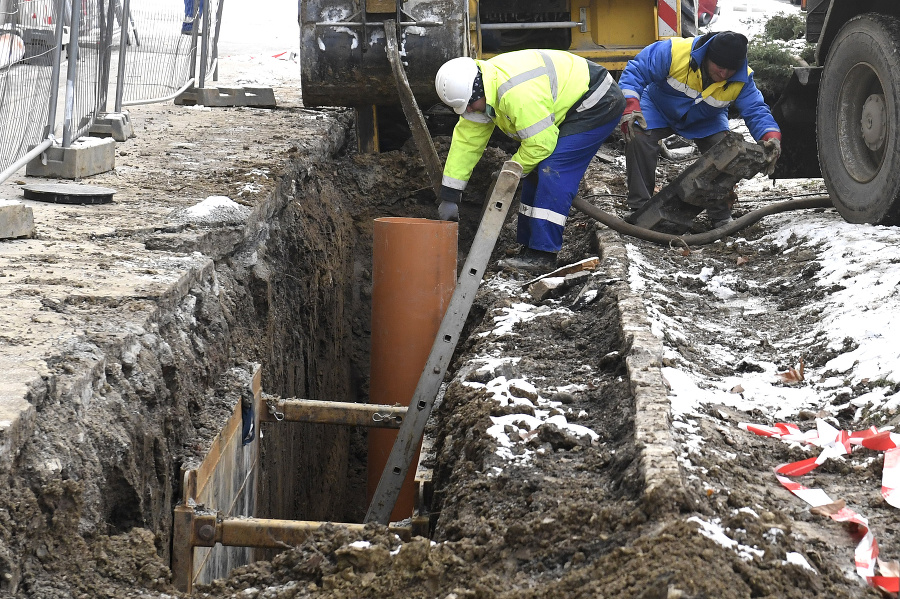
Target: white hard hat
{"x": 454, "y": 82}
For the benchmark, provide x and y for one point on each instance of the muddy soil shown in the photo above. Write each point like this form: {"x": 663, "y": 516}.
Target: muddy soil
{"x": 134, "y": 327}
{"x": 534, "y": 509}
{"x": 544, "y": 513}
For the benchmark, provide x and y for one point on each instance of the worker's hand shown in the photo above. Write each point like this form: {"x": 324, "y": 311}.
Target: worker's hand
{"x": 449, "y": 206}
{"x": 772, "y": 148}
{"x": 632, "y": 118}
{"x": 631, "y": 121}
{"x": 448, "y": 211}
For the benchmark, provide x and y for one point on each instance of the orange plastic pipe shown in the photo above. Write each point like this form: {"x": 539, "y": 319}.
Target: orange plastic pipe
{"x": 413, "y": 277}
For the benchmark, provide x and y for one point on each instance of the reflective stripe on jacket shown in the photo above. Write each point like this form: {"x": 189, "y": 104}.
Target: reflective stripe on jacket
{"x": 528, "y": 93}
{"x": 666, "y": 78}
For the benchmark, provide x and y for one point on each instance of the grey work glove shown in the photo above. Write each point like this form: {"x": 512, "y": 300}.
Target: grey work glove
{"x": 629, "y": 122}
{"x": 772, "y": 148}
{"x": 448, "y": 211}
{"x": 449, "y": 206}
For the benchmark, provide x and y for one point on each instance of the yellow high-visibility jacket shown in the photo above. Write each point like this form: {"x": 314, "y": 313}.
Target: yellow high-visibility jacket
{"x": 529, "y": 93}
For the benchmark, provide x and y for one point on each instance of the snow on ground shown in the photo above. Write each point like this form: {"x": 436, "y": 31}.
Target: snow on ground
{"x": 863, "y": 260}
{"x": 512, "y": 392}
{"x": 255, "y": 29}
{"x": 861, "y": 264}
{"x": 857, "y": 316}
{"x": 259, "y": 43}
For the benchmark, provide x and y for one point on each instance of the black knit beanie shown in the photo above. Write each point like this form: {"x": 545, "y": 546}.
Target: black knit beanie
{"x": 728, "y": 49}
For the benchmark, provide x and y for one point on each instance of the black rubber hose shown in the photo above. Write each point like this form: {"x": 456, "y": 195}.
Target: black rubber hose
{"x": 616, "y": 223}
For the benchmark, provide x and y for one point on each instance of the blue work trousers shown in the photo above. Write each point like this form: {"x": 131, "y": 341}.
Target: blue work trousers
{"x": 189, "y": 7}
{"x": 548, "y": 191}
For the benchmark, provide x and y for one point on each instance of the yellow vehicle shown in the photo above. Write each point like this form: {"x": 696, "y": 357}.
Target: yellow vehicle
{"x": 343, "y": 59}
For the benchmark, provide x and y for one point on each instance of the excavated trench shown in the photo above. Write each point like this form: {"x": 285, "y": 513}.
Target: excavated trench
{"x": 290, "y": 298}
{"x": 129, "y": 404}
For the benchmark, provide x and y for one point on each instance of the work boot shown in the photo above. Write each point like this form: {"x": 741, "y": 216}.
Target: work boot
{"x": 634, "y": 206}
{"x": 532, "y": 261}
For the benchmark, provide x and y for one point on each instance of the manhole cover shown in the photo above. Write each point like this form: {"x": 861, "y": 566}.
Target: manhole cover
{"x": 68, "y": 193}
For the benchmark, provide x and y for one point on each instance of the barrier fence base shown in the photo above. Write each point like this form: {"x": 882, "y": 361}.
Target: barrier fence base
{"x": 113, "y": 124}
{"x": 85, "y": 157}
{"x": 258, "y": 97}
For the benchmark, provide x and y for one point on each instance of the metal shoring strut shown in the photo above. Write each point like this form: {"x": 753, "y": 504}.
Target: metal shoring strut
{"x": 413, "y": 428}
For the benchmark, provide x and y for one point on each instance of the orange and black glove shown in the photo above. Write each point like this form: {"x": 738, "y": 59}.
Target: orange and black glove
{"x": 632, "y": 118}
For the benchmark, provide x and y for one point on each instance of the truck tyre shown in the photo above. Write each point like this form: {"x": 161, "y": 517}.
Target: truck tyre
{"x": 858, "y": 120}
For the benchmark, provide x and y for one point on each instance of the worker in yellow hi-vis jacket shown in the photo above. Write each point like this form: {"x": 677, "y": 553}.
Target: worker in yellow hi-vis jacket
{"x": 560, "y": 106}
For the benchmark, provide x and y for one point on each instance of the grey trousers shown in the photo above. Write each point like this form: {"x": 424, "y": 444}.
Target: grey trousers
{"x": 641, "y": 157}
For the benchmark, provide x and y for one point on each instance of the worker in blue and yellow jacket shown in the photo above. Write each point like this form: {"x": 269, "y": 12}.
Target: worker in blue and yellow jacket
{"x": 560, "y": 107}
{"x": 686, "y": 86}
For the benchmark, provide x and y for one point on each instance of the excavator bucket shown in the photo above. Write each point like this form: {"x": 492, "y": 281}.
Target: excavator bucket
{"x": 343, "y": 60}
{"x": 709, "y": 180}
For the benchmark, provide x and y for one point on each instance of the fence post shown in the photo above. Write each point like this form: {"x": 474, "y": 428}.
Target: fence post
{"x": 204, "y": 44}
{"x": 120, "y": 66}
{"x": 215, "y": 42}
{"x": 71, "y": 76}
{"x": 57, "y": 66}
{"x": 195, "y": 9}
{"x": 106, "y": 37}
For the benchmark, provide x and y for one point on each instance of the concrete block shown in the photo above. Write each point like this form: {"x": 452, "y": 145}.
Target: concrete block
{"x": 541, "y": 290}
{"x": 259, "y": 97}
{"x": 113, "y": 124}
{"x": 16, "y": 220}
{"x": 85, "y": 157}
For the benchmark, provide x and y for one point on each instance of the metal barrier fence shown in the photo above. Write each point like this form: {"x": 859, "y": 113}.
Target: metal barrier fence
{"x": 51, "y": 54}
{"x": 159, "y": 44}
{"x": 27, "y": 49}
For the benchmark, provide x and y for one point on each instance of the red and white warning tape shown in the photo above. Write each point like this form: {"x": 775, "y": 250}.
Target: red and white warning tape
{"x": 836, "y": 443}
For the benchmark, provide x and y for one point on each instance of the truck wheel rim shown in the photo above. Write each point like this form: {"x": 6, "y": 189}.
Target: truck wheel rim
{"x": 862, "y": 122}
{"x": 873, "y": 122}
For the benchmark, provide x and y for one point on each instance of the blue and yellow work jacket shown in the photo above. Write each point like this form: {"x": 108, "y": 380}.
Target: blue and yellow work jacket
{"x": 536, "y": 97}
{"x": 665, "y": 76}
